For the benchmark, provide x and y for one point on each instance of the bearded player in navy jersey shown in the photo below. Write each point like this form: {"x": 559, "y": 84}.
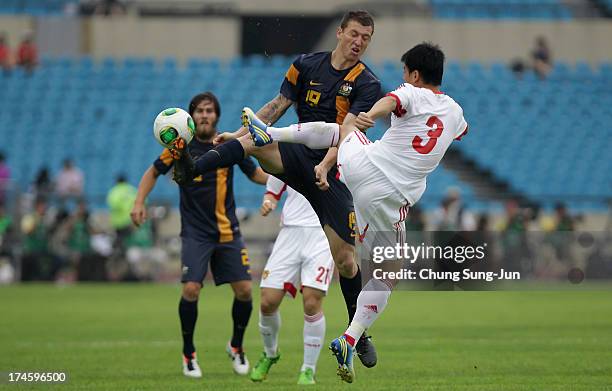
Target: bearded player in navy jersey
{"x": 329, "y": 87}
{"x": 209, "y": 234}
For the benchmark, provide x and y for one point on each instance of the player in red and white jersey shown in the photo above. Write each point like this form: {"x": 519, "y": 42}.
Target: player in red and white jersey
{"x": 423, "y": 125}
{"x": 385, "y": 177}
{"x": 301, "y": 259}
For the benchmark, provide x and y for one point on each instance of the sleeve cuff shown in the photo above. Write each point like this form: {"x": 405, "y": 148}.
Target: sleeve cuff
{"x": 458, "y": 138}
{"x": 399, "y": 110}
{"x": 278, "y": 195}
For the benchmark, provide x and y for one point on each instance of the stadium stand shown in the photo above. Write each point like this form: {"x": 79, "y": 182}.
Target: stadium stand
{"x": 500, "y": 9}
{"x": 33, "y": 7}
{"x": 99, "y": 113}
{"x": 607, "y": 4}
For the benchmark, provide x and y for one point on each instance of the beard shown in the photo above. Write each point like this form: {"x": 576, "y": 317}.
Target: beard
{"x": 206, "y": 132}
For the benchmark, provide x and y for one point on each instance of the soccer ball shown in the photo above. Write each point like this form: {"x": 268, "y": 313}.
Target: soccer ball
{"x": 171, "y": 124}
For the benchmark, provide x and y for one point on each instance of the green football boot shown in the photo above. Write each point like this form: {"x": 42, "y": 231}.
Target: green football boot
{"x": 261, "y": 369}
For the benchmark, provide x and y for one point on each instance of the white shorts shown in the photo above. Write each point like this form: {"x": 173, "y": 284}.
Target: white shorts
{"x": 379, "y": 206}
{"x": 300, "y": 257}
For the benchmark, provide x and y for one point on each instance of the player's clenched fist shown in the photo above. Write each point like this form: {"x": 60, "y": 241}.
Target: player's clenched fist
{"x": 268, "y": 205}
{"x": 364, "y": 121}
{"x": 321, "y": 177}
{"x": 138, "y": 214}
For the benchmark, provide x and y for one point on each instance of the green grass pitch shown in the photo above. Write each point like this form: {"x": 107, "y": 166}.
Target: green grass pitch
{"x": 126, "y": 337}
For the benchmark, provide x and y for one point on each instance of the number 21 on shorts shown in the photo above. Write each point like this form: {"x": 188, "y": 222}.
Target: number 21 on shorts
{"x": 322, "y": 275}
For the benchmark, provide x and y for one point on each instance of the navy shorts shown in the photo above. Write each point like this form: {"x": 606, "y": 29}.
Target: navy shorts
{"x": 334, "y": 207}
{"x": 229, "y": 261}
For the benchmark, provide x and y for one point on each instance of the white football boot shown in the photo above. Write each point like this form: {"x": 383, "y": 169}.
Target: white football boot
{"x": 240, "y": 363}
{"x": 191, "y": 367}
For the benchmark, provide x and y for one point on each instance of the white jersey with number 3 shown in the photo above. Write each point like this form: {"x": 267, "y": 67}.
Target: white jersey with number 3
{"x": 423, "y": 126}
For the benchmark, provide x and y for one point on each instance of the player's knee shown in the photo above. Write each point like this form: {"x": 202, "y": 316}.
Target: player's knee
{"x": 247, "y": 144}
{"x": 244, "y": 295}
{"x": 243, "y": 291}
{"x": 268, "y": 305}
{"x": 345, "y": 262}
{"x": 312, "y": 304}
{"x": 191, "y": 291}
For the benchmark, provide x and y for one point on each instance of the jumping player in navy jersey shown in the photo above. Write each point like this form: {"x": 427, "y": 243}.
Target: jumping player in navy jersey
{"x": 209, "y": 234}
{"x": 328, "y": 86}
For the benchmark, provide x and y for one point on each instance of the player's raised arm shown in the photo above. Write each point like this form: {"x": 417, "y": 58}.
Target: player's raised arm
{"x": 270, "y": 113}
{"x": 259, "y": 176}
{"x": 146, "y": 185}
{"x": 254, "y": 173}
{"x": 382, "y": 108}
{"x": 274, "y": 109}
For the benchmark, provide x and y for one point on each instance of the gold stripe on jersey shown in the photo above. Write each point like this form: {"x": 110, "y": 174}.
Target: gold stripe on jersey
{"x": 223, "y": 223}
{"x": 342, "y": 102}
{"x": 356, "y": 71}
{"x": 166, "y": 157}
{"x": 292, "y": 75}
{"x": 342, "y": 107}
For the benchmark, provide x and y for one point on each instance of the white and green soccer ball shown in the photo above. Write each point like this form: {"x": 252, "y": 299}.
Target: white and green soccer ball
{"x": 172, "y": 124}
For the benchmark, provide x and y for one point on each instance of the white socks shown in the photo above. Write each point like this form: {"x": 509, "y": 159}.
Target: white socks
{"x": 269, "y": 325}
{"x": 314, "y": 334}
{"x": 370, "y": 304}
{"x": 315, "y": 135}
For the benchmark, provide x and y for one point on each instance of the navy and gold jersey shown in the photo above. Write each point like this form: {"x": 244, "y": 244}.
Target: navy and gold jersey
{"x": 323, "y": 93}
{"x": 207, "y": 205}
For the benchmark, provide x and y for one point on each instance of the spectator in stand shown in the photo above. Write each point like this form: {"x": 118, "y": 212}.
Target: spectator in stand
{"x": 69, "y": 184}
{"x": 5, "y": 177}
{"x": 38, "y": 262}
{"x": 563, "y": 220}
{"x": 6, "y": 225}
{"x": 541, "y": 58}
{"x": 120, "y": 199}
{"x": 43, "y": 185}
{"x": 415, "y": 220}
{"x": 5, "y": 54}
{"x": 452, "y": 214}
{"x": 514, "y": 243}
{"x": 27, "y": 53}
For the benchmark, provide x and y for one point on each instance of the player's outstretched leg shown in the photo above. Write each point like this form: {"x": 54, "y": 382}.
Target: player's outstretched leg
{"x": 343, "y": 352}
{"x": 316, "y": 135}
{"x": 256, "y": 127}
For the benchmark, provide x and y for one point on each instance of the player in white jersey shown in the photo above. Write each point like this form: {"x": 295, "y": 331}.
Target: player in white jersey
{"x": 301, "y": 259}
{"x": 385, "y": 177}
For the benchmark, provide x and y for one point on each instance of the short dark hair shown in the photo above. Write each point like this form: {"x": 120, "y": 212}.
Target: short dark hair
{"x": 196, "y": 100}
{"x": 362, "y": 17}
{"x": 428, "y": 59}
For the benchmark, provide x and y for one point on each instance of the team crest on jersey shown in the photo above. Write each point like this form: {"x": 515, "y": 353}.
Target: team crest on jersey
{"x": 265, "y": 274}
{"x": 345, "y": 89}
